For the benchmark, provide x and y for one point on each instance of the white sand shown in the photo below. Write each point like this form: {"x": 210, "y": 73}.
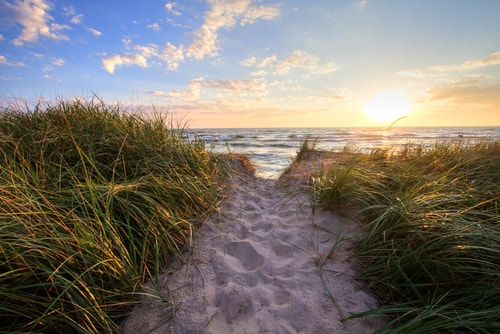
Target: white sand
{"x": 259, "y": 266}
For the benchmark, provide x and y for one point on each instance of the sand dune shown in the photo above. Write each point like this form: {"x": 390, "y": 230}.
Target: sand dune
{"x": 260, "y": 266}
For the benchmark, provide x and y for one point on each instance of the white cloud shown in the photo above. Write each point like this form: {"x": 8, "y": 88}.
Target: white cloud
{"x": 338, "y": 94}
{"x": 71, "y": 12}
{"x": 94, "y": 31}
{"x": 111, "y": 62}
{"x": 298, "y": 59}
{"x": 4, "y": 61}
{"x": 173, "y": 55}
{"x": 413, "y": 73}
{"x": 58, "y": 61}
{"x": 54, "y": 61}
{"x": 304, "y": 60}
{"x": 362, "y": 4}
{"x": 36, "y": 55}
{"x": 77, "y": 19}
{"x": 225, "y": 14}
{"x": 189, "y": 95}
{"x": 36, "y": 21}
{"x": 155, "y": 26}
{"x": 170, "y": 8}
{"x": 147, "y": 51}
{"x": 259, "y": 12}
{"x": 1, "y": 37}
{"x": 127, "y": 43}
{"x": 267, "y": 61}
{"x": 479, "y": 76}
{"x": 465, "y": 93}
{"x": 175, "y": 24}
{"x": 57, "y": 26}
{"x": 240, "y": 87}
{"x": 156, "y": 92}
{"x": 228, "y": 89}
{"x": 9, "y": 78}
{"x": 249, "y": 61}
{"x": 170, "y": 54}
{"x": 258, "y": 73}
{"x": 222, "y": 14}
{"x": 493, "y": 59}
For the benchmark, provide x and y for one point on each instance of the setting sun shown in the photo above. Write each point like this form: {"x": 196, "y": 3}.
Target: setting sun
{"x": 387, "y": 106}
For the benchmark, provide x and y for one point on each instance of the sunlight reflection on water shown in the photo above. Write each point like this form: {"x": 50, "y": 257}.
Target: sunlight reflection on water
{"x": 272, "y": 150}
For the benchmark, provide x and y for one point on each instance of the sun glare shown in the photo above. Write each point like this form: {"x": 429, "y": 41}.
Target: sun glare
{"x": 387, "y": 106}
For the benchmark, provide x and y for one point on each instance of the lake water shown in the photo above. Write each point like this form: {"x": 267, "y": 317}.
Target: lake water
{"x": 272, "y": 150}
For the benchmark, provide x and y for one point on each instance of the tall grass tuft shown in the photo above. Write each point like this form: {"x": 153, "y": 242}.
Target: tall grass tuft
{"x": 93, "y": 200}
{"x": 431, "y": 247}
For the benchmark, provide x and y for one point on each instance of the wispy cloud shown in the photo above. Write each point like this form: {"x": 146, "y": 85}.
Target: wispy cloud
{"x": 170, "y": 8}
{"x": 9, "y": 78}
{"x": 298, "y": 59}
{"x": 58, "y": 61}
{"x": 362, "y": 4}
{"x": 338, "y": 94}
{"x": 94, "y": 31}
{"x": 465, "y": 92}
{"x": 225, "y": 14}
{"x": 250, "y": 61}
{"x": 34, "y": 17}
{"x": 254, "y": 13}
{"x": 304, "y": 60}
{"x": 110, "y": 63}
{"x": 493, "y": 59}
{"x": 154, "y": 26}
{"x": 231, "y": 90}
{"x": 258, "y": 73}
{"x": 262, "y": 62}
{"x": 222, "y": 14}
{"x": 173, "y": 55}
{"x": 156, "y": 92}
{"x": 75, "y": 17}
{"x": 169, "y": 53}
{"x": 4, "y": 61}
{"x": 189, "y": 95}
{"x": 239, "y": 87}
{"x": 413, "y": 73}
{"x": 478, "y": 76}
{"x": 54, "y": 61}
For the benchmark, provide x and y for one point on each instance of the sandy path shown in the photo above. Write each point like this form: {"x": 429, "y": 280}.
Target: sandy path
{"x": 259, "y": 266}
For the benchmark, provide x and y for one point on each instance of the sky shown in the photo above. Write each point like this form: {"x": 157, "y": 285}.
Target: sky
{"x": 259, "y": 63}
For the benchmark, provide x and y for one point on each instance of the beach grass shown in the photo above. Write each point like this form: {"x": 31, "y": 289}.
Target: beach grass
{"x": 431, "y": 243}
{"x": 93, "y": 201}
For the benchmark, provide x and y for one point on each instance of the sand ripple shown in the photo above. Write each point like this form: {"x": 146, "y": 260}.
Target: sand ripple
{"x": 255, "y": 268}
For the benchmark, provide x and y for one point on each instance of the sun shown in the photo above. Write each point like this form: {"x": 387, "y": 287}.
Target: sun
{"x": 387, "y": 106}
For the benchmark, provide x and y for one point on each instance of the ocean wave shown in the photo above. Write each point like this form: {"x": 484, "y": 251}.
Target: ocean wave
{"x": 216, "y": 138}
{"x": 283, "y": 145}
{"x": 243, "y": 144}
{"x": 271, "y": 149}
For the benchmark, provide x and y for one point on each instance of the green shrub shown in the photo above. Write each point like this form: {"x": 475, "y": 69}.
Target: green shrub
{"x": 93, "y": 200}
{"x": 431, "y": 247}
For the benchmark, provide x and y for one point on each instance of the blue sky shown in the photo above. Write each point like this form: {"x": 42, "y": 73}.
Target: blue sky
{"x": 244, "y": 63}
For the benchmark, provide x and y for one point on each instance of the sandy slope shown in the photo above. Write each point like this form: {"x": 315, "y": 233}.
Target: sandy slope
{"x": 259, "y": 266}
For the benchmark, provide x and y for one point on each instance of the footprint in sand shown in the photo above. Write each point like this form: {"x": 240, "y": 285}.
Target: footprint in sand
{"x": 241, "y": 233}
{"x": 234, "y": 302}
{"x": 251, "y": 207}
{"x": 282, "y": 250}
{"x": 261, "y": 226}
{"x": 246, "y": 254}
